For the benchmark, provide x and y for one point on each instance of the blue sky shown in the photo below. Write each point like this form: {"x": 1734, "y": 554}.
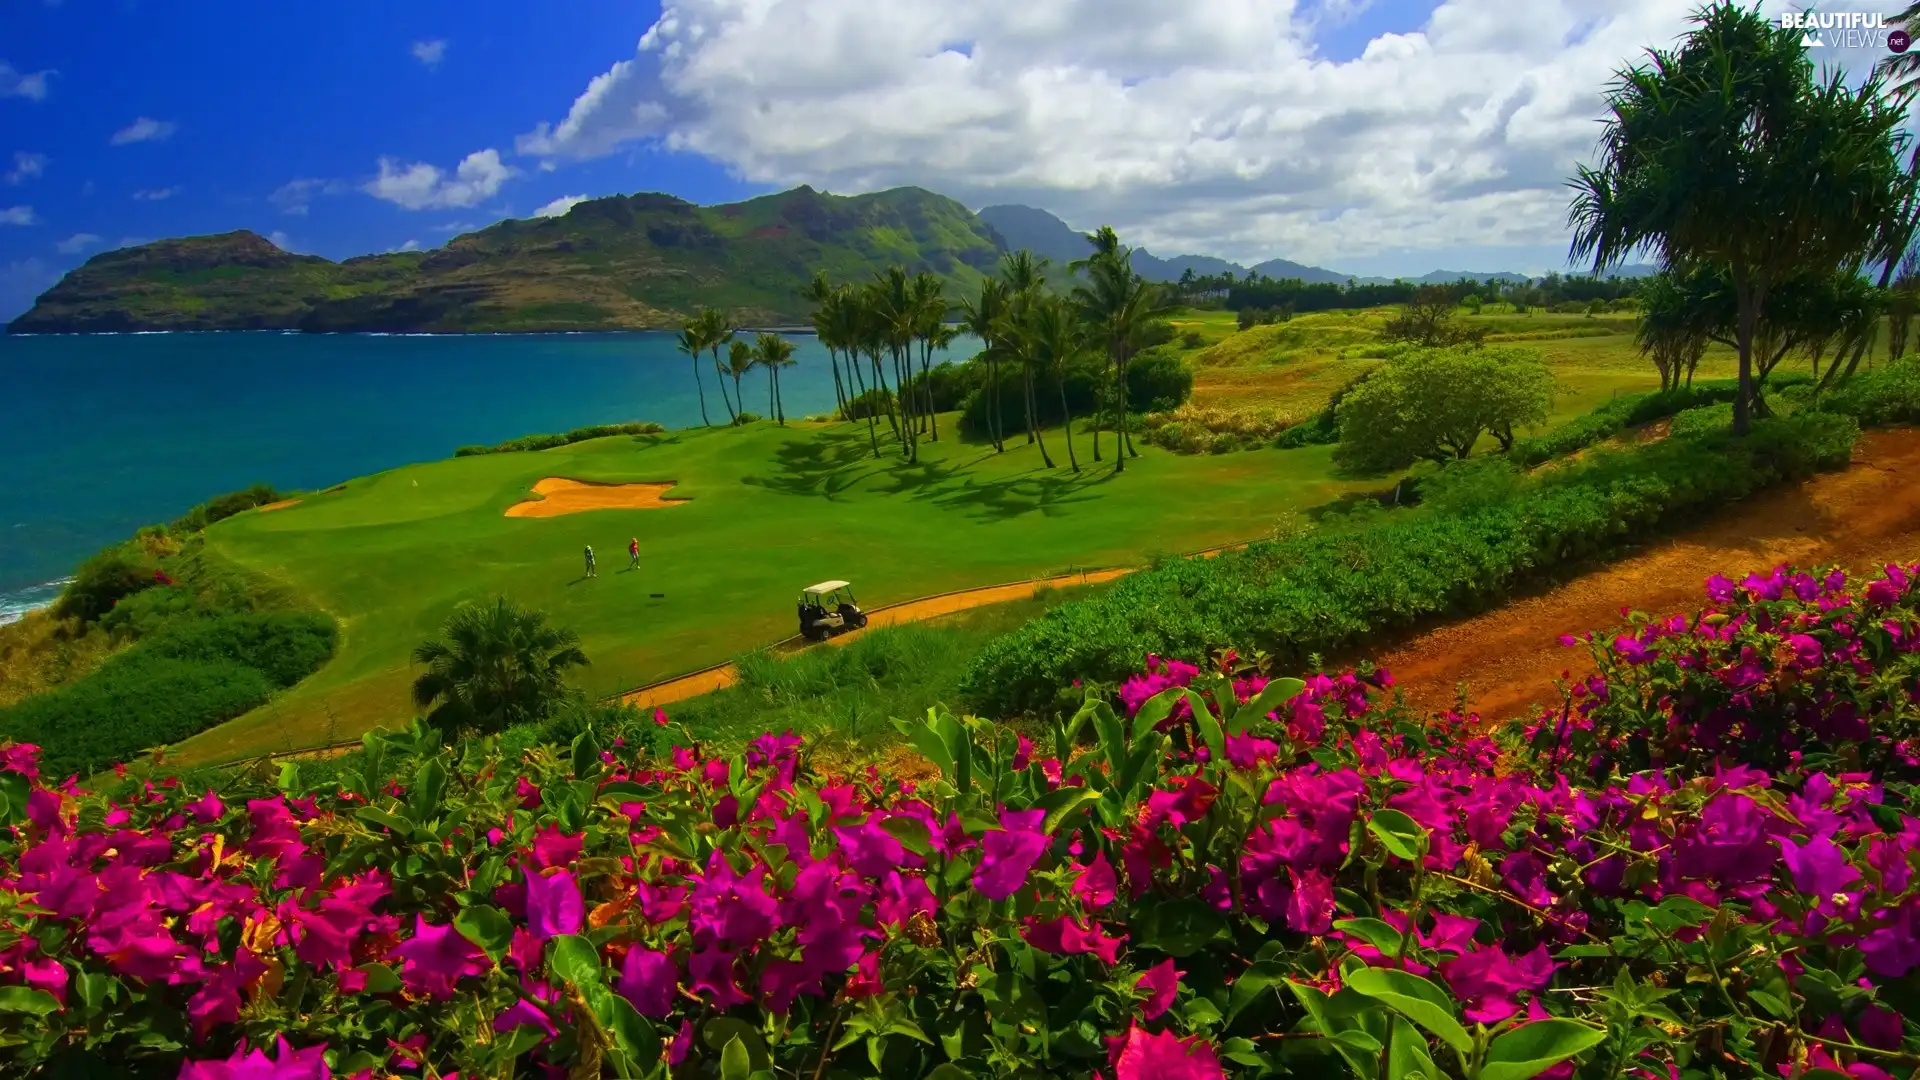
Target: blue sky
{"x": 1369, "y": 135}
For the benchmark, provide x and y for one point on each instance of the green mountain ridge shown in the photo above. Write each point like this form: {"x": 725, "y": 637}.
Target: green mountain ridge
{"x": 632, "y": 262}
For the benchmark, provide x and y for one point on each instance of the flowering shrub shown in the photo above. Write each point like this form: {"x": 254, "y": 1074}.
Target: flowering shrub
{"x": 1219, "y": 873}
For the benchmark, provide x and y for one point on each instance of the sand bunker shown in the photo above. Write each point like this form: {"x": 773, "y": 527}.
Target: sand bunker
{"x": 560, "y": 496}
{"x": 281, "y": 505}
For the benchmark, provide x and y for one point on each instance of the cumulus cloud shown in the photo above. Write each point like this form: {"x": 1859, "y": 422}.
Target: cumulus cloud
{"x": 280, "y": 240}
{"x": 26, "y": 166}
{"x": 17, "y": 215}
{"x": 144, "y": 129}
{"x": 430, "y": 53}
{"x": 421, "y": 186}
{"x": 1216, "y": 125}
{"x": 411, "y": 245}
{"x": 30, "y": 85}
{"x": 295, "y": 196}
{"x": 155, "y": 194}
{"x": 77, "y": 243}
{"x": 560, "y": 206}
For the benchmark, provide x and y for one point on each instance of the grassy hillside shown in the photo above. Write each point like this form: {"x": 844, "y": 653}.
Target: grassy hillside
{"x": 624, "y": 262}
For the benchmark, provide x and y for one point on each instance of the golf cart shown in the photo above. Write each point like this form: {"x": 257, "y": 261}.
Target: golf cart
{"x": 827, "y": 609}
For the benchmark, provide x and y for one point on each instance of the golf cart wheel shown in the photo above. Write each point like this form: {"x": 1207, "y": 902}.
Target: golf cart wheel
{"x": 857, "y": 620}
{"x": 815, "y": 633}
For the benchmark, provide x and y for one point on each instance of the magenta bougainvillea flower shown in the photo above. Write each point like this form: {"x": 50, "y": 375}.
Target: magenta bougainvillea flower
{"x": 286, "y": 1064}
{"x": 554, "y": 906}
{"x": 1144, "y": 1055}
{"x": 1007, "y": 854}
{"x": 1162, "y": 985}
{"x": 436, "y": 958}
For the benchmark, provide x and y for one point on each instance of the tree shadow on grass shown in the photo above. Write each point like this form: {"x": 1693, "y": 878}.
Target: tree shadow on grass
{"x": 823, "y": 466}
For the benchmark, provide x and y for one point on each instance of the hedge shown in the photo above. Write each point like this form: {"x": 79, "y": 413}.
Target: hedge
{"x": 176, "y": 684}
{"x": 1314, "y": 594}
{"x": 548, "y": 442}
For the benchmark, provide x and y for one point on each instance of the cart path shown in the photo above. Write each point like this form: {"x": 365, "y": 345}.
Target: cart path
{"x": 1509, "y": 658}
{"x": 721, "y": 676}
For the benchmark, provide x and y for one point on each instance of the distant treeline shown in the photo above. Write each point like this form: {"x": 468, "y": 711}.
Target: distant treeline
{"x": 1300, "y": 297}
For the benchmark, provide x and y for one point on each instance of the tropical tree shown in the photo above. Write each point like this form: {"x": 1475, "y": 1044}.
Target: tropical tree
{"x": 981, "y": 316}
{"x": 1437, "y": 403}
{"x": 495, "y": 665}
{"x": 821, "y": 293}
{"x": 1120, "y": 309}
{"x": 895, "y": 313}
{"x": 740, "y": 360}
{"x": 773, "y": 352}
{"x": 1026, "y": 277}
{"x": 1902, "y": 69}
{"x": 1057, "y": 338}
{"x": 1674, "y": 329}
{"x": 717, "y": 331}
{"x": 1903, "y": 300}
{"x": 1729, "y": 153}
{"x": 693, "y": 344}
{"x": 930, "y": 330}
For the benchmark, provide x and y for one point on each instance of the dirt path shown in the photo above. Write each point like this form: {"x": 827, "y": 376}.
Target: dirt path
{"x": 1509, "y": 658}
{"x": 721, "y": 676}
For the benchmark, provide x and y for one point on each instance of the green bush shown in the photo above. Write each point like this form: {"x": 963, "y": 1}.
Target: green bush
{"x": 105, "y": 580}
{"x": 1612, "y": 417}
{"x": 1884, "y": 395}
{"x": 548, "y": 442}
{"x": 171, "y": 686}
{"x": 222, "y": 507}
{"x": 1318, "y": 593}
{"x": 1158, "y": 382}
{"x": 1704, "y": 419}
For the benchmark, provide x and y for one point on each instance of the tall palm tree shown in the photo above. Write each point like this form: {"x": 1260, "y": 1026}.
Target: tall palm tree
{"x": 495, "y": 665}
{"x": 1025, "y": 275}
{"x": 896, "y": 316}
{"x": 1058, "y": 338}
{"x": 693, "y": 344}
{"x": 981, "y": 316}
{"x": 1728, "y": 152}
{"x": 1120, "y": 309}
{"x": 1903, "y": 69}
{"x": 1020, "y": 332}
{"x": 848, "y": 322}
{"x": 773, "y": 352}
{"x": 821, "y": 293}
{"x": 929, "y": 324}
{"x": 717, "y": 331}
{"x": 740, "y": 360}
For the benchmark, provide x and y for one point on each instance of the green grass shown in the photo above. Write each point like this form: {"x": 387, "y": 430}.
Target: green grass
{"x": 770, "y": 510}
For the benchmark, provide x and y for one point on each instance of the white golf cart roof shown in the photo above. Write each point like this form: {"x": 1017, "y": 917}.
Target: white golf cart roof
{"x": 824, "y": 587}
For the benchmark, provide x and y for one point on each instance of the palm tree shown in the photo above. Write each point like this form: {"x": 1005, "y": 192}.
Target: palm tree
{"x": 1058, "y": 338}
{"x": 981, "y": 316}
{"x": 773, "y": 352}
{"x": 1903, "y": 69}
{"x": 1119, "y": 308}
{"x": 1026, "y": 276}
{"x": 847, "y": 323}
{"x": 692, "y": 344}
{"x": 929, "y": 324}
{"x": 1020, "y": 332}
{"x": 896, "y": 316}
{"x": 717, "y": 331}
{"x": 495, "y": 665}
{"x": 1728, "y": 153}
{"x": 821, "y": 293}
{"x": 740, "y": 360}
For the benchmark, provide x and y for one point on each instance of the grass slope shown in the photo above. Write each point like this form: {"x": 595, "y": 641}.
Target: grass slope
{"x": 770, "y": 510}
{"x": 624, "y": 262}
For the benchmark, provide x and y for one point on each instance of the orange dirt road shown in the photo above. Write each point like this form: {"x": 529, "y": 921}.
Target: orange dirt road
{"x": 561, "y": 496}
{"x": 1860, "y": 518}
{"x": 723, "y": 676}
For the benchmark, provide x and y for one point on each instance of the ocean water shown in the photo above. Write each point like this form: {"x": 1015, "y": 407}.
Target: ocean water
{"x": 101, "y": 434}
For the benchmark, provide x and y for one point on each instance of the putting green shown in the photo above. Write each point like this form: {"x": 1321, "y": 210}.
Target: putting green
{"x": 767, "y": 510}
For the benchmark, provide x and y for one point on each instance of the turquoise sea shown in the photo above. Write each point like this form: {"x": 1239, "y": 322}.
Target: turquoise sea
{"x": 101, "y": 434}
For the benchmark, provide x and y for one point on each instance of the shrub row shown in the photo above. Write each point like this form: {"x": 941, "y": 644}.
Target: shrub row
{"x": 548, "y": 442}
{"x": 1313, "y": 594}
{"x": 182, "y": 681}
{"x": 1889, "y": 394}
{"x": 1612, "y": 417}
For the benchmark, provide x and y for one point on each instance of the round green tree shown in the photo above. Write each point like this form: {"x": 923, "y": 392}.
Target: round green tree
{"x": 495, "y": 665}
{"x": 1436, "y": 403}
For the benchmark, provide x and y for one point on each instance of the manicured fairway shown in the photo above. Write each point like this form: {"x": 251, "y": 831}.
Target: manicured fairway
{"x": 768, "y": 510}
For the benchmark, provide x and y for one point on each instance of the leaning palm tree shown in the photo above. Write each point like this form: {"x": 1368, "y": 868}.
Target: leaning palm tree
{"x": 495, "y": 665}
{"x": 1058, "y": 338}
{"x": 718, "y": 332}
{"x": 693, "y": 344}
{"x": 1730, "y": 154}
{"x": 740, "y": 360}
{"x": 981, "y": 317}
{"x": 773, "y": 352}
{"x": 824, "y": 296}
{"x": 1903, "y": 69}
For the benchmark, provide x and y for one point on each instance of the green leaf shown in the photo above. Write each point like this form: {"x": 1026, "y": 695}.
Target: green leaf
{"x": 22, "y": 999}
{"x": 1531, "y": 1049}
{"x": 586, "y": 755}
{"x": 577, "y": 961}
{"x": 734, "y": 1063}
{"x": 486, "y": 926}
{"x": 1415, "y": 998}
{"x": 947, "y": 1070}
{"x": 631, "y": 1032}
{"x": 928, "y": 741}
{"x": 381, "y": 979}
{"x": 724, "y": 1031}
{"x": 912, "y": 832}
{"x": 1155, "y": 709}
{"x": 95, "y": 989}
{"x": 1209, "y": 725}
{"x": 15, "y": 789}
{"x": 623, "y": 790}
{"x": 1408, "y": 1058}
{"x": 1060, "y": 802}
{"x": 1276, "y": 693}
{"x": 423, "y": 798}
{"x": 1376, "y": 932}
{"x": 1256, "y": 982}
{"x": 1399, "y": 834}
{"x": 373, "y": 815}
{"x": 1179, "y": 927}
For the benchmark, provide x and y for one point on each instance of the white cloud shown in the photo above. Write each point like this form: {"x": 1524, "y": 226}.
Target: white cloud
{"x": 411, "y": 245}
{"x": 77, "y": 243}
{"x": 144, "y": 129}
{"x": 560, "y": 206}
{"x": 17, "y": 215}
{"x": 26, "y": 166}
{"x": 430, "y": 53}
{"x": 29, "y": 85}
{"x": 280, "y": 240}
{"x": 1211, "y": 125}
{"x": 295, "y": 196}
{"x": 456, "y": 227}
{"x": 421, "y": 186}
{"x": 155, "y": 194}
{"x": 132, "y": 241}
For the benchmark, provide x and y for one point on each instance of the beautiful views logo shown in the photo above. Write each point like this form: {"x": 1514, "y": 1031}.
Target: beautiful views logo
{"x": 1846, "y": 30}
